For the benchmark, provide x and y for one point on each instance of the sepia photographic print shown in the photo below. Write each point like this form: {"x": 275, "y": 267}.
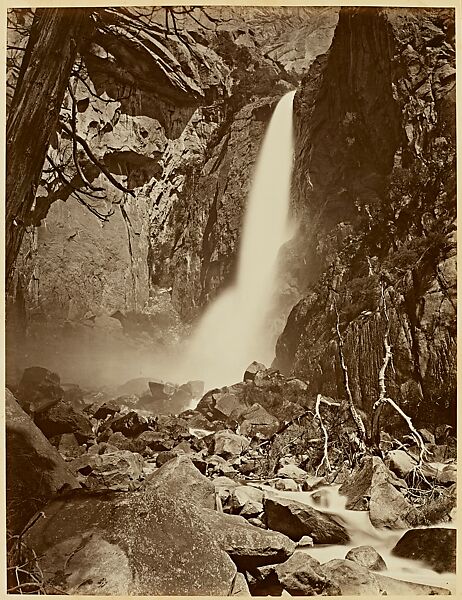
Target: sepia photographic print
{"x": 230, "y": 299}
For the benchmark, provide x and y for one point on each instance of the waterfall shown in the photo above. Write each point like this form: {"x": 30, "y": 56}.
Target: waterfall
{"x": 232, "y": 332}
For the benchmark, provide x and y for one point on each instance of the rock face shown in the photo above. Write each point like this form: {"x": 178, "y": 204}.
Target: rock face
{"x": 375, "y": 190}
{"x": 35, "y": 471}
{"x": 179, "y": 121}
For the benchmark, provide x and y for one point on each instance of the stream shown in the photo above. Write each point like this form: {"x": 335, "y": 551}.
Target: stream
{"x": 362, "y": 533}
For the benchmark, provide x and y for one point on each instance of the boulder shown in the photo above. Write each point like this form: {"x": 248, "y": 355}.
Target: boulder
{"x": 117, "y": 470}
{"x": 240, "y": 587}
{"x": 195, "y": 388}
{"x": 256, "y": 420}
{"x": 63, "y": 418}
{"x": 305, "y": 541}
{"x": 286, "y": 485}
{"x": 69, "y": 447}
{"x": 436, "y": 510}
{"x": 182, "y": 479}
{"x": 396, "y": 587}
{"x": 118, "y": 440}
{"x": 402, "y": 464}
{"x": 301, "y": 575}
{"x": 154, "y": 440}
{"x": 388, "y": 508}
{"x": 148, "y": 543}
{"x": 293, "y": 472}
{"x": 372, "y": 486}
{"x": 368, "y": 557}
{"x": 38, "y": 390}
{"x": 107, "y": 409}
{"x": 246, "y": 501}
{"x": 247, "y": 545}
{"x": 130, "y": 424}
{"x": 137, "y": 387}
{"x": 35, "y": 471}
{"x": 435, "y": 546}
{"x": 351, "y": 578}
{"x": 252, "y": 370}
{"x": 228, "y": 444}
{"x": 295, "y": 520}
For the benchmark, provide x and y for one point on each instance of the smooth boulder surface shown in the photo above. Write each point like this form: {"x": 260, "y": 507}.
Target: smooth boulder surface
{"x": 138, "y": 543}
{"x": 368, "y": 557}
{"x": 228, "y": 444}
{"x": 295, "y": 520}
{"x": 435, "y": 546}
{"x": 247, "y": 545}
{"x": 35, "y": 471}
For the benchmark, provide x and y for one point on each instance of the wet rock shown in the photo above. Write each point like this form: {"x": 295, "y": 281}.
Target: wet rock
{"x": 368, "y": 557}
{"x": 38, "y": 390}
{"x": 435, "y": 546}
{"x": 63, "y": 418}
{"x": 295, "y": 520}
{"x": 247, "y": 545}
{"x": 252, "y": 370}
{"x": 35, "y": 471}
{"x": 350, "y": 578}
{"x": 301, "y": 575}
{"x": 181, "y": 478}
{"x": 117, "y": 470}
{"x": 228, "y": 444}
{"x": 148, "y": 543}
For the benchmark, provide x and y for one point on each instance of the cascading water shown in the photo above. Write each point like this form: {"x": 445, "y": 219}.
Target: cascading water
{"x": 362, "y": 532}
{"x": 232, "y": 332}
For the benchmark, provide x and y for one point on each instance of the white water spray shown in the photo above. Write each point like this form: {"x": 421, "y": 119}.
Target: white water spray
{"x": 232, "y": 332}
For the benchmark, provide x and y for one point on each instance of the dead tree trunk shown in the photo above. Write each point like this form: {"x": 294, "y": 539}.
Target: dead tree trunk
{"x": 55, "y": 38}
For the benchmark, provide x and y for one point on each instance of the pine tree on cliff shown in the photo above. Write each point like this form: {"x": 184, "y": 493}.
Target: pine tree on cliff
{"x": 53, "y": 44}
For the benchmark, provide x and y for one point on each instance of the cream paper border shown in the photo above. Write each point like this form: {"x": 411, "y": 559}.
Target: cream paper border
{"x": 457, "y": 4}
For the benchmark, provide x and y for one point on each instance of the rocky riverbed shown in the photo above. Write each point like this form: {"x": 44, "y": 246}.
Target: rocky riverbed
{"x": 133, "y": 491}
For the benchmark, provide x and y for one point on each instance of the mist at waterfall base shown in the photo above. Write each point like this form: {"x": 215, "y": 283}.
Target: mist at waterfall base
{"x": 234, "y": 330}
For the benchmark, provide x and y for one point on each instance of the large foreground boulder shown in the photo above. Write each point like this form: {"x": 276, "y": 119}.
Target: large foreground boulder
{"x": 35, "y": 471}
{"x": 435, "y": 546}
{"x": 113, "y": 470}
{"x": 295, "y": 520}
{"x": 137, "y": 543}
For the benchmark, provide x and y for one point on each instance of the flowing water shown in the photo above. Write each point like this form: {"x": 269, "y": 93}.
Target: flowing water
{"x": 363, "y": 533}
{"x": 232, "y": 332}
